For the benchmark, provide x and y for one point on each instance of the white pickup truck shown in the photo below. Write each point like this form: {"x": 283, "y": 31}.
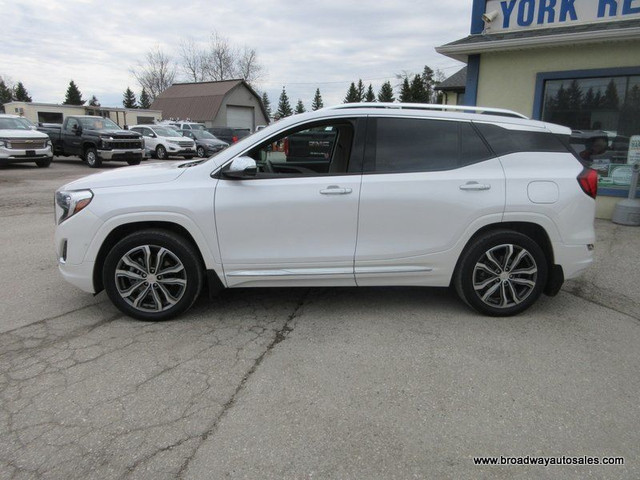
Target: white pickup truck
{"x": 20, "y": 143}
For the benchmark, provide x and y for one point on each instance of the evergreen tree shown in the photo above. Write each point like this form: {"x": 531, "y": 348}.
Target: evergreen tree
{"x": 94, "y": 101}
{"x": 6, "y": 95}
{"x": 419, "y": 93}
{"x": 589, "y": 102}
{"x": 284, "y": 107}
{"x": 352, "y": 94}
{"x": 386, "y": 93}
{"x": 574, "y": 93}
{"x": 630, "y": 113}
{"x": 360, "y": 90}
{"x": 300, "y": 107}
{"x": 267, "y": 104}
{"x": 20, "y": 93}
{"x": 405, "y": 91}
{"x": 611, "y": 100}
{"x": 145, "y": 99}
{"x": 317, "y": 103}
{"x": 129, "y": 99}
{"x": 428, "y": 77}
{"x": 370, "y": 96}
{"x": 73, "y": 97}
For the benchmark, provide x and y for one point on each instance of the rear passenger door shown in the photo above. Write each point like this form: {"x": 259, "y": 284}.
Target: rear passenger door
{"x": 425, "y": 182}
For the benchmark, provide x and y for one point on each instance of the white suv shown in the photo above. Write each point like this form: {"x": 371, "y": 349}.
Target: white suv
{"x": 20, "y": 142}
{"x": 164, "y": 142}
{"x": 361, "y": 195}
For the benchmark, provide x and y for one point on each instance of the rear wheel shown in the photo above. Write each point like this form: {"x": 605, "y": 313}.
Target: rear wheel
{"x": 91, "y": 157}
{"x": 44, "y": 163}
{"x": 152, "y": 275}
{"x": 502, "y": 273}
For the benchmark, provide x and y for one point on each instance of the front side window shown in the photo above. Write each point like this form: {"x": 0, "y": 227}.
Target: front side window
{"x": 423, "y": 145}
{"x": 317, "y": 149}
{"x": 604, "y": 114}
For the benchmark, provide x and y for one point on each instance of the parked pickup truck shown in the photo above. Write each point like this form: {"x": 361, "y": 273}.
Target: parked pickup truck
{"x": 95, "y": 139}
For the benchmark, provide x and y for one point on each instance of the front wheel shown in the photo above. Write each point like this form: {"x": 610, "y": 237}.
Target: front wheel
{"x": 44, "y": 163}
{"x": 92, "y": 159}
{"x": 502, "y": 273}
{"x": 152, "y": 275}
{"x": 161, "y": 153}
{"x": 200, "y": 151}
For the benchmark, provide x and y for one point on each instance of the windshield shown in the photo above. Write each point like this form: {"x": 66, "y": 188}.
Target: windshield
{"x": 98, "y": 123}
{"x": 13, "y": 124}
{"x": 201, "y": 135}
{"x": 26, "y": 123}
{"x": 196, "y": 126}
{"x": 166, "y": 132}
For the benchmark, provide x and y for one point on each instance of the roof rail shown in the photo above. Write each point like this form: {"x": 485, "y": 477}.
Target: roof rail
{"x": 427, "y": 106}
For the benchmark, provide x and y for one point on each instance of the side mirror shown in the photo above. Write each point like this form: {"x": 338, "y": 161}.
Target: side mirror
{"x": 241, "y": 167}
{"x": 77, "y": 129}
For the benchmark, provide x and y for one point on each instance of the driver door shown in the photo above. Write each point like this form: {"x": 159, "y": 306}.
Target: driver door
{"x": 292, "y": 224}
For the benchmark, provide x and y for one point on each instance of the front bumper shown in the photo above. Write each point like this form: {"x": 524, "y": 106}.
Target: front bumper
{"x": 122, "y": 154}
{"x": 10, "y": 155}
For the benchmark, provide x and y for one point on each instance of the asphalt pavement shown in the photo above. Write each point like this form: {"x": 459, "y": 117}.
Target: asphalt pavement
{"x": 308, "y": 383}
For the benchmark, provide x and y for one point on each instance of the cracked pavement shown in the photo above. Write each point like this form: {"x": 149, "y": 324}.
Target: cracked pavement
{"x": 303, "y": 383}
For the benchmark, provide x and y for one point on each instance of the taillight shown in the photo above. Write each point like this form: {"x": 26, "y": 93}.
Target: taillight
{"x": 588, "y": 180}
{"x": 286, "y": 146}
{"x": 234, "y": 138}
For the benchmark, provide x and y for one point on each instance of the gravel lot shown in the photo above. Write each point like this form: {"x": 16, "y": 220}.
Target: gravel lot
{"x": 297, "y": 383}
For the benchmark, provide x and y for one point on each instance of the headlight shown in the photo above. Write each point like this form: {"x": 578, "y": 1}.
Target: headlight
{"x": 70, "y": 203}
{"x": 3, "y": 143}
{"x": 47, "y": 143}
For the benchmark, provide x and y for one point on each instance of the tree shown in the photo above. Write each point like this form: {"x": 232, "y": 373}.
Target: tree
{"x": 247, "y": 66}
{"x": 284, "y": 107}
{"x": 20, "y": 93}
{"x": 611, "y": 100}
{"x": 220, "y": 59}
{"x": 419, "y": 93}
{"x": 360, "y": 90}
{"x": 317, "y": 103}
{"x": 193, "y": 60}
{"x": 405, "y": 91}
{"x": 94, "y": 102}
{"x": 129, "y": 99}
{"x": 370, "y": 96}
{"x": 6, "y": 94}
{"x": 145, "y": 101}
{"x": 73, "y": 96}
{"x": 352, "y": 94}
{"x": 300, "y": 107}
{"x": 156, "y": 74}
{"x": 386, "y": 93}
{"x": 267, "y": 104}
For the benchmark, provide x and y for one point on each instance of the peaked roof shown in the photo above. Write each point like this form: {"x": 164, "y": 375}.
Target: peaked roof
{"x": 198, "y": 101}
{"x": 457, "y": 81}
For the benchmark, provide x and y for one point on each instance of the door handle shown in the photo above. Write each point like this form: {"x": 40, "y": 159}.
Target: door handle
{"x": 335, "y": 190}
{"x": 475, "y": 186}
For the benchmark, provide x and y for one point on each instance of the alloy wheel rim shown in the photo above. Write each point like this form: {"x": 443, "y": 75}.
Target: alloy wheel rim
{"x": 91, "y": 158}
{"x": 505, "y": 276}
{"x": 150, "y": 278}
{"x": 201, "y": 152}
{"x": 161, "y": 153}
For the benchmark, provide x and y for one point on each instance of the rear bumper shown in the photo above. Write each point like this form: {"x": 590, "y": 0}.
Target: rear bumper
{"x": 574, "y": 259}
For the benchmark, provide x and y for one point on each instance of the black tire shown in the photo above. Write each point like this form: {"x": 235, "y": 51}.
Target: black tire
{"x": 134, "y": 161}
{"x": 161, "y": 153}
{"x": 200, "y": 152}
{"x": 91, "y": 157}
{"x": 141, "y": 292}
{"x": 44, "y": 163}
{"x": 502, "y": 273}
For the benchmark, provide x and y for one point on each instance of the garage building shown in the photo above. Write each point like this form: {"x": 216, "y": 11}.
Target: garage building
{"x": 229, "y": 103}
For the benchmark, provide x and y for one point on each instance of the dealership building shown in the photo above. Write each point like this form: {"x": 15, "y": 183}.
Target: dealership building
{"x": 571, "y": 62}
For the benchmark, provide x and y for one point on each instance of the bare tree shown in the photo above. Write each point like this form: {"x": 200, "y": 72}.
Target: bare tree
{"x": 221, "y": 59}
{"x": 247, "y": 66}
{"x": 157, "y": 73}
{"x": 194, "y": 60}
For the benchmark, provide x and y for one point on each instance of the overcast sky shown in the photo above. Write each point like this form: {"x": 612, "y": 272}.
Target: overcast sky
{"x": 303, "y": 45}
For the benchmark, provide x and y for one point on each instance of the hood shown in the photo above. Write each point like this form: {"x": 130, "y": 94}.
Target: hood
{"x": 178, "y": 139}
{"x": 113, "y": 133}
{"x": 23, "y": 134}
{"x": 211, "y": 141}
{"x": 129, "y": 176}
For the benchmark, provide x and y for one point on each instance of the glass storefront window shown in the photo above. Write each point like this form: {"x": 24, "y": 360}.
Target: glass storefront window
{"x": 604, "y": 114}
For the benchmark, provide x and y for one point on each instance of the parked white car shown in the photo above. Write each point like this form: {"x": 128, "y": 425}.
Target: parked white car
{"x": 164, "y": 142}
{"x": 493, "y": 204}
{"x": 19, "y": 143}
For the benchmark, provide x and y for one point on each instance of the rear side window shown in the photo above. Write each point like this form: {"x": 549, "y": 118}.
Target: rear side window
{"x": 422, "y": 145}
{"x": 503, "y": 141}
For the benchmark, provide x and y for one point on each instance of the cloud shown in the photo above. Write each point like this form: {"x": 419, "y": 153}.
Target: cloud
{"x": 303, "y": 45}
